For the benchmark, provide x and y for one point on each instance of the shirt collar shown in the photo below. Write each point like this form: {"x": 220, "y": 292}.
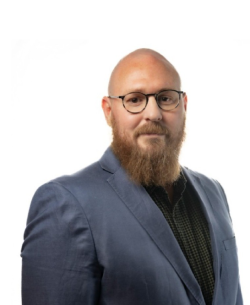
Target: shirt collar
{"x": 179, "y": 187}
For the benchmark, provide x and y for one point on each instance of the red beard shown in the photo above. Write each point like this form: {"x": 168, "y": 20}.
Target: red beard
{"x": 158, "y": 164}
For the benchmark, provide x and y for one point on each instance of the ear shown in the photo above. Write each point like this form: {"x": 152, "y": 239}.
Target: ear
{"x": 185, "y": 100}
{"x": 106, "y": 107}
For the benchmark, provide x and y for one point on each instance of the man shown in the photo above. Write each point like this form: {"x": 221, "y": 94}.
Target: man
{"x": 135, "y": 228}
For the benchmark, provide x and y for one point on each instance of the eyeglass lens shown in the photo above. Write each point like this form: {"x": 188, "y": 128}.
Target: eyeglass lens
{"x": 136, "y": 102}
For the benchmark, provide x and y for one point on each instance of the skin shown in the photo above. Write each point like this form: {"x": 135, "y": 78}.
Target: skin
{"x": 145, "y": 71}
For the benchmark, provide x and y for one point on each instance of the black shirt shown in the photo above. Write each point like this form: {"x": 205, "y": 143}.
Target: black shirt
{"x": 190, "y": 228}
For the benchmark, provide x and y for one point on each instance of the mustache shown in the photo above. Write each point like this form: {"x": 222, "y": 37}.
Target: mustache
{"x": 151, "y": 128}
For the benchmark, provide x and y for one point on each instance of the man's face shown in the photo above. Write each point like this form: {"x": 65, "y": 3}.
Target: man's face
{"x": 148, "y": 75}
{"x": 153, "y": 134}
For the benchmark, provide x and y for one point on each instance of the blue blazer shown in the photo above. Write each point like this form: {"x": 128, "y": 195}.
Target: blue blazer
{"x": 97, "y": 238}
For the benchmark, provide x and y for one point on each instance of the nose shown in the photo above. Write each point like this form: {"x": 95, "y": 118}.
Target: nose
{"x": 152, "y": 111}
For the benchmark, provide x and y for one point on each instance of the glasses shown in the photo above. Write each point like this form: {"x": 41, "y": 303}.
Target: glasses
{"x": 136, "y": 102}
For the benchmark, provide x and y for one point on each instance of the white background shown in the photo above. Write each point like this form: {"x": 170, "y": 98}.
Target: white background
{"x": 56, "y": 59}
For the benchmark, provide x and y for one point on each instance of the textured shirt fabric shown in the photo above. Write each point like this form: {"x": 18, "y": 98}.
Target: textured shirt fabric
{"x": 188, "y": 223}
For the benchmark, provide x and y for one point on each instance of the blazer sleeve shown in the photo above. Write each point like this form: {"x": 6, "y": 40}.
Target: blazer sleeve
{"x": 59, "y": 262}
{"x": 239, "y": 299}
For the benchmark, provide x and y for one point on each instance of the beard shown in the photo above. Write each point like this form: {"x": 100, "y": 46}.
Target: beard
{"x": 156, "y": 164}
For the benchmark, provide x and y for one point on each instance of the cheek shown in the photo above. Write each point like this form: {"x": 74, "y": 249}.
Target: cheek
{"x": 127, "y": 123}
{"x": 174, "y": 121}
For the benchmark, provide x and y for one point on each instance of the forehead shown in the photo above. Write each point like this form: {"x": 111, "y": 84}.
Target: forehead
{"x": 143, "y": 73}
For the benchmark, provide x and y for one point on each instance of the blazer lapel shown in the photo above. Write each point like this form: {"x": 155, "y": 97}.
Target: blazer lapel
{"x": 152, "y": 220}
{"x": 205, "y": 198}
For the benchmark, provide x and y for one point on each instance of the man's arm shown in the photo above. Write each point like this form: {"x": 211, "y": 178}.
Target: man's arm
{"x": 60, "y": 266}
{"x": 239, "y": 299}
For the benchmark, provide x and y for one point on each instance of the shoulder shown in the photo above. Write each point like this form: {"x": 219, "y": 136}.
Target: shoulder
{"x": 88, "y": 176}
{"x": 203, "y": 178}
{"x": 91, "y": 177}
{"x": 87, "y": 180}
{"x": 87, "y": 186}
{"x": 207, "y": 182}
{"x": 64, "y": 193}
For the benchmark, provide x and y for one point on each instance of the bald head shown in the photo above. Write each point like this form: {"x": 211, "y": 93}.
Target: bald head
{"x": 138, "y": 60}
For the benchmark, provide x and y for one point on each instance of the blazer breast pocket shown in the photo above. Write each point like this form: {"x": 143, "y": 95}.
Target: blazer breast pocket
{"x": 229, "y": 243}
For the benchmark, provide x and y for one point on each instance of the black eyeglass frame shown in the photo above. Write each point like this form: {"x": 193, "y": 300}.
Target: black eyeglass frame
{"x": 147, "y": 95}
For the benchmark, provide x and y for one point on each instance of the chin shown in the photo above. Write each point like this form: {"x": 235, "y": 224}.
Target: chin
{"x": 151, "y": 141}
{"x": 151, "y": 145}
{"x": 145, "y": 145}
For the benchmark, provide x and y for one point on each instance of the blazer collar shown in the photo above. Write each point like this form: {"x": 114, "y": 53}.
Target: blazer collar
{"x": 151, "y": 219}
{"x": 207, "y": 197}
{"x": 109, "y": 162}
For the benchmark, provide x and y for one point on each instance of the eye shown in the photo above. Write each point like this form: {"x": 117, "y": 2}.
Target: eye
{"x": 133, "y": 100}
{"x": 165, "y": 99}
